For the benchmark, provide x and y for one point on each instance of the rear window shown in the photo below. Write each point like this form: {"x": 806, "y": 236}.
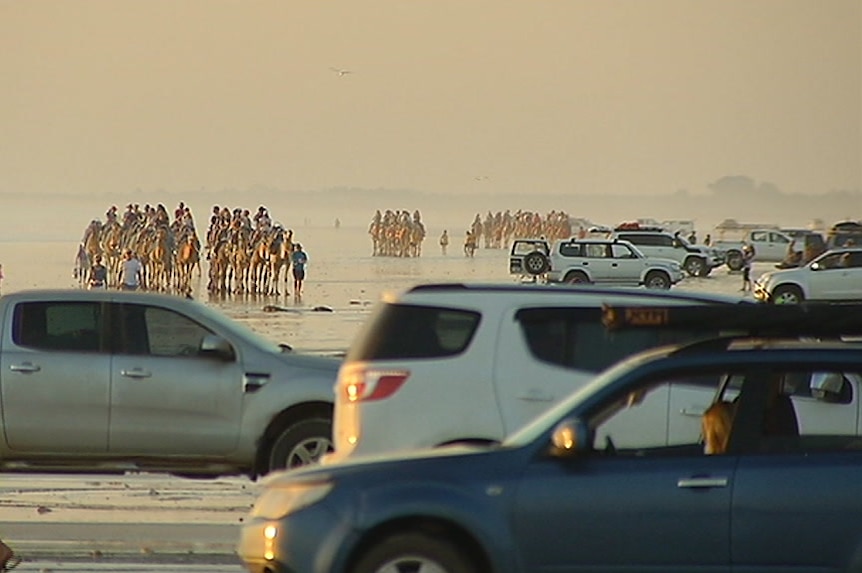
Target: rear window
{"x": 60, "y": 326}
{"x": 576, "y": 338}
{"x": 398, "y": 331}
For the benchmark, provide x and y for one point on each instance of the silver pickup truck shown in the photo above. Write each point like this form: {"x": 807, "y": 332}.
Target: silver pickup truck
{"x": 110, "y": 381}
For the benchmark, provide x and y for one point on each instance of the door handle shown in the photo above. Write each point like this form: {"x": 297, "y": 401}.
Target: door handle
{"x": 702, "y": 482}
{"x": 24, "y": 367}
{"x": 614, "y": 265}
{"x": 693, "y": 411}
{"x": 136, "y": 373}
{"x": 536, "y": 396}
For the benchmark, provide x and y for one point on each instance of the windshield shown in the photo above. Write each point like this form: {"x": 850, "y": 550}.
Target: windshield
{"x": 552, "y": 417}
{"x": 237, "y": 328}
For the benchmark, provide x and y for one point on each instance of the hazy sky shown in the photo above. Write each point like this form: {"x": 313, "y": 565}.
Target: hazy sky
{"x": 551, "y": 96}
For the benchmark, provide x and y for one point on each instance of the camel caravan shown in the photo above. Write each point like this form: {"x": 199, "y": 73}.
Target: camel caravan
{"x": 396, "y": 234}
{"x": 498, "y": 229}
{"x": 246, "y": 254}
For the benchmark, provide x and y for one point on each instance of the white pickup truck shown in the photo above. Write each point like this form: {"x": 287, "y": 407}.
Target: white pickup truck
{"x": 770, "y": 245}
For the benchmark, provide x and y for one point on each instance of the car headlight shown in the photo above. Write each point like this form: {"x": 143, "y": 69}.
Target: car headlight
{"x": 277, "y": 501}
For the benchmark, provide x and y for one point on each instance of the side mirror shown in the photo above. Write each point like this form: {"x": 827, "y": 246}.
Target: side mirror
{"x": 816, "y": 266}
{"x": 217, "y": 347}
{"x": 830, "y": 387}
{"x": 570, "y": 437}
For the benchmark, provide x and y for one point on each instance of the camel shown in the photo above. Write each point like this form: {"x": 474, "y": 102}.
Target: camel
{"x": 188, "y": 255}
{"x": 280, "y": 249}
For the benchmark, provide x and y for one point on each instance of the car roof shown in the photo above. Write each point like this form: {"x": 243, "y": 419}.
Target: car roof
{"x": 432, "y": 292}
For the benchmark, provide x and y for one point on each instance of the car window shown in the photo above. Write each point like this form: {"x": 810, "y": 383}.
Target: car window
{"x": 576, "y": 338}
{"x": 622, "y": 252}
{"x": 596, "y": 250}
{"x": 758, "y": 236}
{"x": 571, "y": 250}
{"x": 398, "y": 331}
{"x": 59, "y": 326}
{"x": 156, "y": 331}
{"x": 778, "y": 238}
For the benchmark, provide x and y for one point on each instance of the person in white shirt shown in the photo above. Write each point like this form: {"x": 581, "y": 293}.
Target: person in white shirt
{"x": 131, "y": 272}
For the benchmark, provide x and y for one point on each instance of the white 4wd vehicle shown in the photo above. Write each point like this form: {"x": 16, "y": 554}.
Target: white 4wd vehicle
{"x": 598, "y": 261}
{"x": 697, "y": 260}
{"x": 443, "y": 364}
{"x": 833, "y": 276}
{"x": 770, "y": 245}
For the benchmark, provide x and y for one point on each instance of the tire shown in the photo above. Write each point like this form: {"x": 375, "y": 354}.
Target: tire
{"x": 696, "y": 267}
{"x": 657, "y": 280}
{"x": 414, "y": 552}
{"x": 300, "y": 444}
{"x": 787, "y": 294}
{"x": 734, "y": 260}
{"x": 576, "y": 278}
{"x": 536, "y": 263}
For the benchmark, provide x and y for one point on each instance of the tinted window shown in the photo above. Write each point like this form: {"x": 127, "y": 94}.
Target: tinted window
{"x": 571, "y": 250}
{"x": 409, "y": 331}
{"x": 576, "y": 338}
{"x": 73, "y": 326}
{"x": 156, "y": 331}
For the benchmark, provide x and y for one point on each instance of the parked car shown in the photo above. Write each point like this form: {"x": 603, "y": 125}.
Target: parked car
{"x": 608, "y": 463}
{"x": 443, "y": 364}
{"x": 770, "y": 245}
{"x": 834, "y": 275}
{"x": 594, "y": 261}
{"x": 697, "y": 260}
{"x": 110, "y": 381}
{"x": 844, "y": 234}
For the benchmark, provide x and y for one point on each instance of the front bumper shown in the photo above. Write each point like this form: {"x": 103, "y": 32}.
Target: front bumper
{"x": 761, "y": 293}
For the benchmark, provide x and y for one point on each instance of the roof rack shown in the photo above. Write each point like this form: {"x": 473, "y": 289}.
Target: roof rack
{"x": 820, "y": 320}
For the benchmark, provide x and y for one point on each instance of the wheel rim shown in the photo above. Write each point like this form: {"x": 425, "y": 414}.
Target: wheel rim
{"x": 695, "y": 267}
{"x": 787, "y": 297}
{"x": 411, "y": 564}
{"x": 308, "y": 452}
{"x": 534, "y": 264}
{"x": 657, "y": 282}
{"x": 576, "y": 280}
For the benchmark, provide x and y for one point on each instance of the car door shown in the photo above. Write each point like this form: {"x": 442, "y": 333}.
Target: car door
{"x": 777, "y": 246}
{"x": 831, "y": 279}
{"x": 55, "y": 390}
{"x": 642, "y": 507}
{"x": 166, "y": 398}
{"x": 797, "y": 499}
{"x": 597, "y": 259}
{"x": 626, "y": 266}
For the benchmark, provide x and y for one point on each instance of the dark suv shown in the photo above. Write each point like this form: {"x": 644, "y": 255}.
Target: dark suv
{"x": 584, "y": 488}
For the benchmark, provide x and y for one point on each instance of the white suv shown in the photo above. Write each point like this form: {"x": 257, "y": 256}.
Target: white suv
{"x": 442, "y": 364}
{"x": 833, "y": 276}
{"x": 597, "y": 261}
{"x": 697, "y": 260}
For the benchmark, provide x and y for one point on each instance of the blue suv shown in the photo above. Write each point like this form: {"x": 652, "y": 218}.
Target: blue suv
{"x": 597, "y": 483}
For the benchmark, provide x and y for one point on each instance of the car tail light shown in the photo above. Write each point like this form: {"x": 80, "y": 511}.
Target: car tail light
{"x": 365, "y": 385}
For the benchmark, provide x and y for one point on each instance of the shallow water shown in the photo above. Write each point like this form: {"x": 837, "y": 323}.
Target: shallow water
{"x": 341, "y": 275}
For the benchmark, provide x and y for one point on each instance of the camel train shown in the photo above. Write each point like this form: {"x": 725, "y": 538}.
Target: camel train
{"x": 497, "y": 230}
{"x": 396, "y": 234}
{"x": 246, "y": 254}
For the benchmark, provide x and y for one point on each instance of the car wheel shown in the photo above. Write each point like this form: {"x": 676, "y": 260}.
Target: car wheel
{"x": 576, "y": 278}
{"x": 536, "y": 263}
{"x": 414, "y": 552}
{"x": 300, "y": 444}
{"x": 695, "y": 266}
{"x": 657, "y": 279}
{"x": 734, "y": 260}
{"x": 787, "y": 294}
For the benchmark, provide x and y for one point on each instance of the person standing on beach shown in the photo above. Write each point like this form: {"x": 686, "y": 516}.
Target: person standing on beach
{"x": 298, "y": 260}
{"x": 444, "y": 241}
{"x": 98, "y": 274}
{"x": 747, "y": 258}
{"x": 131, "y": 271}
{"x": 1, "y": 274}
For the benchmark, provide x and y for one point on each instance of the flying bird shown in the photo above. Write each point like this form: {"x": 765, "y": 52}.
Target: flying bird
{"x": 340, "y": 72}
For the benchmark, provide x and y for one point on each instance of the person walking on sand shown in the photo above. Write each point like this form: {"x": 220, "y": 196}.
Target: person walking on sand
{"x": 131, "y": 271}
{"x": 298, "y": 260}
{"x": 444, "y": 241}
{"x": 747, "y": 258}
{"x": 8, "y": 559}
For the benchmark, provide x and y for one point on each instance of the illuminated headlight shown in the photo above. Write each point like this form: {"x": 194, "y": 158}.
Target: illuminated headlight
{"x": 278, "y": 501}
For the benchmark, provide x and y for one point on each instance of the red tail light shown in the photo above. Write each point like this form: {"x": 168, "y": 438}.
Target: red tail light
{"x": 365, "y": 385}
